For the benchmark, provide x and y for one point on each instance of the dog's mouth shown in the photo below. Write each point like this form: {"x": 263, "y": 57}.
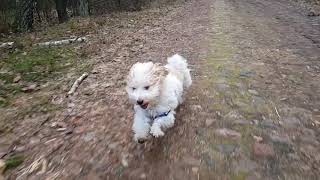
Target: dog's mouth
{"x": 144, "y": 105}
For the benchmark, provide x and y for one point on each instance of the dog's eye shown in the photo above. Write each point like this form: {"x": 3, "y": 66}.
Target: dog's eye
{"x": 134, "y": 88}
{"x": 146, "y": 87}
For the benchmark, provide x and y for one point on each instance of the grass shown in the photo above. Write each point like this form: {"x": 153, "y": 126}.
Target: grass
{"x": 239, "y": 176}
{"x": 36, "y": 65}
{"x": 13, "y": 162}
{"x": 39, "y": 66}
{"x": 40, "y": 63}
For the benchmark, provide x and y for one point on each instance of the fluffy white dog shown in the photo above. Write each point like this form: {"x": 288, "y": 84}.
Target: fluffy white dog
{"x": 156, "y": 91}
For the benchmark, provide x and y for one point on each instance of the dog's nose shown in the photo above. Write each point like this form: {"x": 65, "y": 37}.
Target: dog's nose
{"x": 141, "y": 141}
{"x": 140, "y": 102}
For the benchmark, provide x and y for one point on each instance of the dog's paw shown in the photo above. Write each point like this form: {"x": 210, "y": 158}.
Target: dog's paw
{"x": 139, "y": 139}
{"x": 156, "y": 131}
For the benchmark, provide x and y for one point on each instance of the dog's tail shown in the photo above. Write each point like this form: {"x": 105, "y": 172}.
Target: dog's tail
{"x": 178, "y": 64}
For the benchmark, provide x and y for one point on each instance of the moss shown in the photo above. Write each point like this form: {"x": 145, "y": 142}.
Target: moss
{"x": 37, "y": 65}
{"x": 239, "y": 176}
{"x": 40, "y": 63}
{"x": 13, "y": 162}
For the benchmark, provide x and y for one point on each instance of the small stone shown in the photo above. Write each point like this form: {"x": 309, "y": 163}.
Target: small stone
{"x": 191, "y": 161}
{"x": 257, "y": 138}
{"x": 267, "y": 124}
{"x": 227, "y": 149}
{"x": 291, "y": 122}
{"x": 69, "y": 131}
{"x": 222, "y": 87}
{"x": 113, "y": 145}
{"x": 20, "y": 149}
{"x": 79, "y": 130}
{"x": 92, "y": 176}
{"x": 107, "y": 85}
{"x": 258, "y": 101}
{"x": 207, "y": 159}
{"x": 195, "y": 170}
{"x": 255, "y": 122}
{"x": 88, "y": 93}
{"x": 228, "y": 133}
{"x": 196, "y": 107}
{"x": 247, "y": 74}
{"x": 95, "y": 71}
{"x": 209, "y": 122}
{"x": 313, "y": 13}
{"x": 143, "y": 176}
{"x": 2, "y": 166}
{"x": 305, "y": 168}
{"x": 89, "y": 136}
{"x": 244, "y": 165}
{"x": 34, "y": 140}
{"x": 59, "y": 124}
{"x": 240, "y": 104}
{"x": 124, "y": 162}
{"x": 17, "y": 78}
{"x": 263, "y": 150}
{"x": 254, "y": 92}
{"x": 30, "y": 88}
{"x": 240, "y": 122}
{"x": 293, "y": 156}
{"x": 232, "y": 116}
{"x": 200, "y": 131}
{"x": 280, "y": 139}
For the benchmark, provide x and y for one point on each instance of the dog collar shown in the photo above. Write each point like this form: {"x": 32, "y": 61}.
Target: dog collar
{"x": 162, "y": 115}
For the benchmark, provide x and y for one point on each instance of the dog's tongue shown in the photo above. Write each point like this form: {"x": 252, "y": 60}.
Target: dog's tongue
{"x": 144, "y": 106}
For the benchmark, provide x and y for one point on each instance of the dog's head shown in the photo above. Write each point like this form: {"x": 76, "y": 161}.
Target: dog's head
{"x": 144, "y": 84}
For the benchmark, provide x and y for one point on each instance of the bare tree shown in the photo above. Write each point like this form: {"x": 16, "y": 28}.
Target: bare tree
{"x": 83, "y": 8}
{"x": 61, "y": 6}
{"x": 24, "y": 15}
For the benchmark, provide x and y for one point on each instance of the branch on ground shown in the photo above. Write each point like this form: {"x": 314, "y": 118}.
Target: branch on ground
{"x": 62, "y": 42}
{"x": 77, "y": 83}
{"x": 6, "y": 45}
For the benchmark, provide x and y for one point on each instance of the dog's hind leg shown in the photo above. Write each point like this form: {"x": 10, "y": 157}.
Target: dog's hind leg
{"x": 162, "y": 123}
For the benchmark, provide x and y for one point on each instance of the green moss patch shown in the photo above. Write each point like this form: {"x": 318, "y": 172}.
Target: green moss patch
{"x": 13, "y": 162}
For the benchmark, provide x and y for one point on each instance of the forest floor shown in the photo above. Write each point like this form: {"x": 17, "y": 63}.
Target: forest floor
{"x": 253, "y": 111}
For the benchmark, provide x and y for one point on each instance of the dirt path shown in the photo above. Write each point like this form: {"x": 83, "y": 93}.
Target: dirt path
{"x": 252, "y": 113}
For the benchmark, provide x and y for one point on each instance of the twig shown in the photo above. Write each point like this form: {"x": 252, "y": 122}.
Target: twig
{"x": 77, "y": 83}
{"x": 61, "y": 42}
{"x": 277, "y": 112}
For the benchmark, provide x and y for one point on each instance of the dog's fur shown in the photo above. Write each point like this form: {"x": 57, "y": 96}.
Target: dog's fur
{"x": 159, "y": 89}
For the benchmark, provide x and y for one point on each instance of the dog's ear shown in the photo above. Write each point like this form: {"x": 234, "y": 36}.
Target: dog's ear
{"x": 159, "y": 72}
{"x": 131, "y": 72}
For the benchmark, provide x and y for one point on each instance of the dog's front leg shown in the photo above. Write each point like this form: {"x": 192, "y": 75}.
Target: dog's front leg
{"x": 161, "y": 124}
{"x": 141, "y": 126}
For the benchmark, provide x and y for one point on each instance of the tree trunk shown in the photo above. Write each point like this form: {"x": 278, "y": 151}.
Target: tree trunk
{"x": 61, "y": 6}
{"x": 137, "y": 5}
{"x": 24, "y": 15}
{"x": 83, "y": 8}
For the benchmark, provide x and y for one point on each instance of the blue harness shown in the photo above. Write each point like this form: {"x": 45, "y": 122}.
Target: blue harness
{"x": 161, "y": 115}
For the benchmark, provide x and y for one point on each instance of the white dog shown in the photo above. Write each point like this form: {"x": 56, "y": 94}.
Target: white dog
{"x": 156, "y": 91}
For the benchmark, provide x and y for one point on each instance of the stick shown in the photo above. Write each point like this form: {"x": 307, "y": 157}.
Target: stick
{"x": 61, "y": 42}
{"x": 277, "y": 112}
{"x": 6, "y": 45}
{"x": 77, "y": 83}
